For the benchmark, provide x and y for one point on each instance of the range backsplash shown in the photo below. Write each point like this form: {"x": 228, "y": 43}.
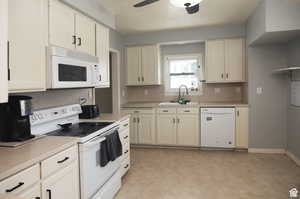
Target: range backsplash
{"x": 227, "y": 93}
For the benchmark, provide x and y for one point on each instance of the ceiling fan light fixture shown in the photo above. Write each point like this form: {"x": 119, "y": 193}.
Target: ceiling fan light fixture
{"x": 183, "y": 3}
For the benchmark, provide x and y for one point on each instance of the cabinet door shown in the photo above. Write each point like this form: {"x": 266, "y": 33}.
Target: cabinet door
{"x": 188, "y": 130}
{"x": 62, "y": 25}
{"x": 102, "y": 52}
{"x": 3, "y": 51}
{"x": 63, "y": 184}
{"x": 133, "y": 129}
{"x": 27, "y": 33}
{"x": 166, "y": 129}
{"x": 32, "y": 193}
{"x": 134, "y": 66}
{"x": 86, "y": 34}
{"x": 242, "y": 127}
{"x": 215, "y": 61}
{"x": 146, "y": 127}
{"x": 150, "y": 65}
{"x": 235, "y": 60}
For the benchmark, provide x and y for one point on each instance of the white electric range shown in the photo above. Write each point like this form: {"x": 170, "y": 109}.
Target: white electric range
{"x": 96, "y": 182}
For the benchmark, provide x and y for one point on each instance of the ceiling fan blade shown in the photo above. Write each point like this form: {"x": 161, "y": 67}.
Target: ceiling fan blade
{"x": 144, "y": 3}
{"x": 192, "y": 9}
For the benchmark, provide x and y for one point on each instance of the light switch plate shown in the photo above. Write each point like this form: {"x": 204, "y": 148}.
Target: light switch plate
{"x": 259, "y": 90}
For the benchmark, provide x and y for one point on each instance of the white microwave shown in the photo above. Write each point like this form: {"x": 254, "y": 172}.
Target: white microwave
{"x": 69, "y": 69}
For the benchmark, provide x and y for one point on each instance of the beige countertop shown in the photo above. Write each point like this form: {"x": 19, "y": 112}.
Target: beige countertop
{"x": 14, "y": 160}
{"x": 109, "y": 117}
{"x": 196, "y": 105}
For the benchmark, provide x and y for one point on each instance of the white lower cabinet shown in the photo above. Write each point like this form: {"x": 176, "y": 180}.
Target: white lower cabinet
{"x": 242, "y": 127}
{"x": 32, "y": 193}
{"x": 166, "y": 129}
{"x": 142, "y": 126}
{"x": 63, "y": 184}
{"x": 181, "y": 128}
{"x": 3, "y": 51}
{"x": 188, "y": 130}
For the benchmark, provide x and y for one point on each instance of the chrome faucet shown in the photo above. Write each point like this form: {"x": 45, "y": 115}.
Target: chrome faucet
{"x": 181, "y": 97}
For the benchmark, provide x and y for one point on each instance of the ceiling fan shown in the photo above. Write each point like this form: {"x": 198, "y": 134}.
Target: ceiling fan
{"x": 191, "y": 6}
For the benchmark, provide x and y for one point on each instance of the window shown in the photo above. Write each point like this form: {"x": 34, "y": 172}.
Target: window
{"x": 183, "y": 70}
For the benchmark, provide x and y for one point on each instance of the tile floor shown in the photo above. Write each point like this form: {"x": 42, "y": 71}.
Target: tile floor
{"x": 191, "y": 174}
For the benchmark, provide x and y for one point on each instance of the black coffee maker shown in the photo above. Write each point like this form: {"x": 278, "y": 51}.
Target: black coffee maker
{"x": 15, "y": 119}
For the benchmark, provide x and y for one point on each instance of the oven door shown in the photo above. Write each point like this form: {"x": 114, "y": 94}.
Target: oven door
{"x": 92, "y": 175}
{"x": 71, "y": 73}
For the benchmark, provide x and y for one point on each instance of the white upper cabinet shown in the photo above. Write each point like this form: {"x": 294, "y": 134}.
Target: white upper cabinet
{"x": 133, "y": 66}
{"x": 3, "y": 51}
{"x": 70, "y": 29}
{"x": 102, "y": 52}
{"x": 143, "y": 66}
{"x": 235, "y": 60}
{"x": 27, "y": 41}
{"x": 215, "y": 57}
{"x": 225, "y": 61}
{"x": 85, "y": 32}
{"x": 62, "y": 26}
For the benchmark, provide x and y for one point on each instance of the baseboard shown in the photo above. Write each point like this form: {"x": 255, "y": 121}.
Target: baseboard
{"x": 293, "y": 157}
{"x": 267, "y": 151}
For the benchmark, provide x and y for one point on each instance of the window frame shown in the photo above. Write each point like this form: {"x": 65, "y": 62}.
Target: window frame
{"x": 171, "y": 91}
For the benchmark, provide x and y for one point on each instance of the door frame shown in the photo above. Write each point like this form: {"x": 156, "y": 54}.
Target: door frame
{"x": 116, "y": 90}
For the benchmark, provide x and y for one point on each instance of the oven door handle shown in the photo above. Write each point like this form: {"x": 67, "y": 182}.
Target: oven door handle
{"x": 94, "y": 142}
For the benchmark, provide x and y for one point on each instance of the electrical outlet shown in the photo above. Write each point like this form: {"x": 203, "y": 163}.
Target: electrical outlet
{"x": 123, "y": 93}
{"x": 146, "y": 92}
{"x": 217, "y": 90}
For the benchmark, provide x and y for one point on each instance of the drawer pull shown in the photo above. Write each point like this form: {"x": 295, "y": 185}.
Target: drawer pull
{"x": 126, "y": 137}
{"x": 165, "y": 111}
{"x": 49, "y": 193}
{"x": 187, "y": 111}
{"x": 125, "y": 125}
{"x": 37, "y": 198}
{"x": 62, "y": 161}
{"x": 126, "y": 166}
{"x": 14, "y": 188}
{"x": 126, "y": 152}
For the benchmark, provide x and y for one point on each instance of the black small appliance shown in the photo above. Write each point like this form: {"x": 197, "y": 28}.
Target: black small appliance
{"x": 15, "y": 119}
{"x": 89, "y": 112}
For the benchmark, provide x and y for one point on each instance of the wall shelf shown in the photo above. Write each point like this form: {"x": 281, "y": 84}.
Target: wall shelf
{"x": 287, "y": 69}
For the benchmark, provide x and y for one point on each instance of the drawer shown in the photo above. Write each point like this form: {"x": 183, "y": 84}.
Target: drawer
{"x": 20, "y": 181}
{"x": 32, "y": 193}
{"x": 125, "y": 166}
{"x": 124, "y": 135}
{"x": 188, "y": 110}
{"x": 125, "y": 124}
{"x": 126, "y": 149}
{"x": 59, "y": 161}
{"x": 166, "y": 111}
{"x": 137, "y": 111}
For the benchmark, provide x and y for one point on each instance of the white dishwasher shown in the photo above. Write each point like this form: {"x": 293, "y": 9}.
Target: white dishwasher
{"x": 218, "y": 127}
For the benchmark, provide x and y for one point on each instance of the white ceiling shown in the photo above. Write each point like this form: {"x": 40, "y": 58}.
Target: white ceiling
{"x": 162, "y": 15}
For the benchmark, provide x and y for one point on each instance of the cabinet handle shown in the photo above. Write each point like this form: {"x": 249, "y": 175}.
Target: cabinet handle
{"x": 174, "y": 120}
{"x": 37, "y": 198}
{"x": 134, "y": 120}
{"x": 100, "y": 78}
{"x": 126, "y": 166}
{"x": 238, "y": 113}
{"x": 222, "y": 76}
{"x": 14, "y": 188}
{"x": 62, "y": 161}
{"x": 126, "y": 151}
{"x": 139, "y": 79}
{"x": 126, "y": 137}
{"x": 143, "y": 79}
{"x": 178, "y": 120}
{"x": 138, "y": 120}
{"x": 227, "y": 75}
{"x": 8, "y": 60}
{"x": 125, "y": 125}
{"x": 79, "y": 41}
{"x": 165, "y": 111}
{"x": 187, "y": 111}
{"x": 74, "y": 40}
{"x": 49, "y": 193}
